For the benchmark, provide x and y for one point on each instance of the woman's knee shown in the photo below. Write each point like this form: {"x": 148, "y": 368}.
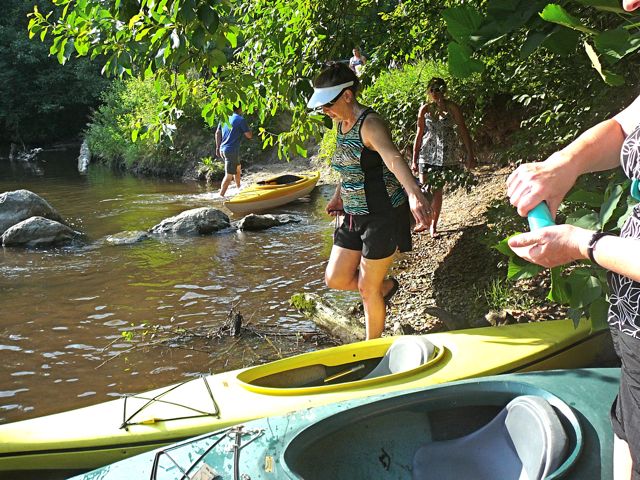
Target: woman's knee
{"x": 336, "y": 281}
{"x": 367, "y": 289}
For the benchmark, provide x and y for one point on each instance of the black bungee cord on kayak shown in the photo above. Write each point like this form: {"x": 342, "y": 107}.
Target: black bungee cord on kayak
{"x": 126, "y": 420}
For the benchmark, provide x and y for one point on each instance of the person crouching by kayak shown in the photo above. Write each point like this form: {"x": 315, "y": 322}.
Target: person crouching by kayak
{"x": 369, "y": 198}
{"x": 228, "y": 136}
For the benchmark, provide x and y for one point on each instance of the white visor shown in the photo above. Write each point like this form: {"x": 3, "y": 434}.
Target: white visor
{"x": 322, "y": 96}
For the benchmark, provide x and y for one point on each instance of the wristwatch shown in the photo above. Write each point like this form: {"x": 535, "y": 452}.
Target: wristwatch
{"x": 592, "y": 244}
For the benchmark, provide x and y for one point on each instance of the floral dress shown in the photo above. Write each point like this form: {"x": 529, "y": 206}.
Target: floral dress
{"x": 441, "y": 154}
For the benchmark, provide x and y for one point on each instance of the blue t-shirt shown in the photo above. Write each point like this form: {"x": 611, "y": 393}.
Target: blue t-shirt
{"x": 232, "y": 132}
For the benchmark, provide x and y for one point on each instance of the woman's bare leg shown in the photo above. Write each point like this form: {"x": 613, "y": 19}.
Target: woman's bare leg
{"x": 342, "y": 269}
{"x": 237, "y": 176}
{"x": 371, "y": 285}
{"x": 436, "y": 208}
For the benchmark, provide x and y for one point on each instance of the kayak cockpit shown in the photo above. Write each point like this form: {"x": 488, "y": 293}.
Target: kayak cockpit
{"x": 356, "y": 365}
{"x": 281, "y": 180}
{"x": 481, "y": 431}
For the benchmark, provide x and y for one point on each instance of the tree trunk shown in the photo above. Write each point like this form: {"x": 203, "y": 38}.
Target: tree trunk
{"x": 333, "y": 321}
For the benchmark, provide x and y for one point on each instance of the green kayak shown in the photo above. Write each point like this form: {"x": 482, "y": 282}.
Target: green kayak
{"x": 552, "y": 424}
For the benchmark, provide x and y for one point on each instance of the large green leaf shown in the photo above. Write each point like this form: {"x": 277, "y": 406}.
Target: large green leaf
{"x": 610, "y": 204}
{"x": 584, "y": 218}
{"x": 519, "y": 268}
{"x": 631, "y": 204}
{"x": 503, "y": 247}
{"x": 554, "y": 13}
{"x": 533, "y": 41}
{"x": 604, "y": 5}
{"x": 559, "y": 290}
{"x": 461, "y": 64}
{"x": 610, "y": 78}
{"x": 585, "y": 289}
{"x": 462, "y": 22}
{"x": 598, "y": 311}
{"x": 593, "y": 199}
{"x": 562, "y": 41}
{"x": 615, "y": 44}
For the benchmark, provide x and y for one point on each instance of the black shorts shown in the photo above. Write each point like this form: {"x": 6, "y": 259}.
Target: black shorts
{"x": 625, "y": 412}
{"x": 377, "y": 236}
{"x": 231, "y": 161}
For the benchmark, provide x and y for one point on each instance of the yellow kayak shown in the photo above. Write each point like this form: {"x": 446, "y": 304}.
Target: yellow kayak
{"x": 89, "y": 437}
{"x": 272, "y": 192}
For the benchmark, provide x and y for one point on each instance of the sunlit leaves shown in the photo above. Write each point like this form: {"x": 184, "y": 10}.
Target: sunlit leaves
{"x": 460, "y": 62}
{"x": 462, "y": 23}
{"x": 556, "y": 14}
{"x": 609, "y": 77}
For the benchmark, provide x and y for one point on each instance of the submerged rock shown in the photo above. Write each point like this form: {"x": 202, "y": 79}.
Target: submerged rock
{"x": 198, "y": 221}
{"x": 262, "y": 222}
{"x": 18, "y": 205}
{"x": 37, "y": 232}
{"x": 127, "y": 238}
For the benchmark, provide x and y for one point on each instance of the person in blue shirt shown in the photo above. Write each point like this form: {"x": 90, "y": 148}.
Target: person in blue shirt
{"x": 228, "y": 136}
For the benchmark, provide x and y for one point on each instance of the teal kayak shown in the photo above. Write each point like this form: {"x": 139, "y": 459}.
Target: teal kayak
{"x": 552, "y": 424}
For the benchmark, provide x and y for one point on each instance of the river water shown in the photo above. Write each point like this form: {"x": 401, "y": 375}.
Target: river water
{"x": 63, "y": 311}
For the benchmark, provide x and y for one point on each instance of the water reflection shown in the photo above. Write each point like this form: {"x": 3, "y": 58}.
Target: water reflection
{"x": 64, "y": 311}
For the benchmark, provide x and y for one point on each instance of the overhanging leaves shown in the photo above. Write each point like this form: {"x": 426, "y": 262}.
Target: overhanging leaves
{"x": 554, "y": 13}
{"x": 461, "y": 64}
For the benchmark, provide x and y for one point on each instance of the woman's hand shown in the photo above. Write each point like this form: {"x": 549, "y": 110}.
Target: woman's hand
{"x": 421, "y": 210}
{"x": 532, "y": 183}
{"x": 414, "y": 166}
{"x": 334, "y": 207}
{"x": 552, "y": 246}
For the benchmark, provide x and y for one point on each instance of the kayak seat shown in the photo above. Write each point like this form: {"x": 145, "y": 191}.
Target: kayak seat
{"x": 405, "y": 353}
{"x": 525, "y": 441}
{"x": 281, "y": 180}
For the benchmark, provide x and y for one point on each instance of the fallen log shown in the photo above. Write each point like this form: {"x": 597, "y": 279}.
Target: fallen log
{"x": 329, "y": 318}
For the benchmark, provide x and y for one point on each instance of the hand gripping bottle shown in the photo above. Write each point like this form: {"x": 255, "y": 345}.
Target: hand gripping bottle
{"x": 540, "y": 217}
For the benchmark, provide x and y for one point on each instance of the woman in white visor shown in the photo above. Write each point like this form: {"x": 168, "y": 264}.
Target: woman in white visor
{"x": 372, "y": 201}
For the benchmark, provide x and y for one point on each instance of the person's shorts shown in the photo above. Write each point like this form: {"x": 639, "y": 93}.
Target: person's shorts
{"x": 625, "y": 411}
{"x": 231, "y": 161}
{"x": 377, "y": 236}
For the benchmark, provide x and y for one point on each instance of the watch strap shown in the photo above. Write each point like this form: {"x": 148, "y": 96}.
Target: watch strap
{"x": 592, "y": 244}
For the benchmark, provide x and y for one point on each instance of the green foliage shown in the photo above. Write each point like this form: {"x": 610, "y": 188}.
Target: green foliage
{"x": 500, "y": 295}
{"x": 328, "y": 145}
{"x": 601, "y": 28}
{"x": 210, "y": 169}
{"x": 397, "y": 95}
{"x": 113, "y": 136}
{"x": 264, "y": 52}
{"x": 300, "y": 302}
{"x": 41, "y": 101}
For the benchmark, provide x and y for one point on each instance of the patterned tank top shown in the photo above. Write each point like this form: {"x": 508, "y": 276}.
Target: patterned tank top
{"x": 624, "y": 297}
{"x": 368, "y": 186}
{"x": 441, "y": 142}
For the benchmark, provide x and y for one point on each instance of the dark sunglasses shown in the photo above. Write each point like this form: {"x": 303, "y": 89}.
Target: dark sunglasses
{"x": 334, "y": 101}
{"x": 437, "y": 88}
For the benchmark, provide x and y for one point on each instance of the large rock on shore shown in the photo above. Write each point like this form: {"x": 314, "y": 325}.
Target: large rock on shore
{"x": 262, "y": 222}
{"x": 38, "y": 232}
{"x": 198, "y": 221}
{"x": 18, "y": 205}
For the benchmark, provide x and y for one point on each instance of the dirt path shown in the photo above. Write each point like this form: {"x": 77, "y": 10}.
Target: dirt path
{"x": 442, "y": 278}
